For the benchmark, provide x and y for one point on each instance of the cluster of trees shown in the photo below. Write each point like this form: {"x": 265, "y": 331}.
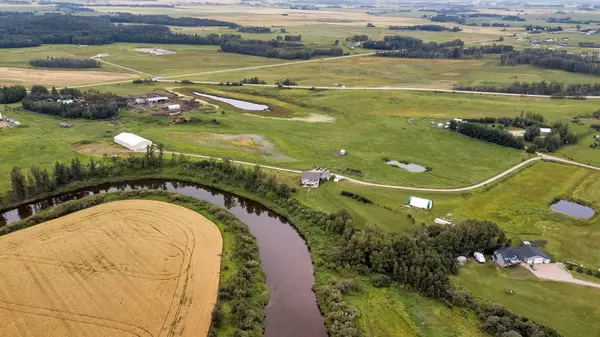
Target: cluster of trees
{"x": 252, "y": 29}
{"x": 554, "y": 89}
{"x": 512, "y": 18}
{"x": 91, "y": 104}
{"x": 286, "y": 82}
{"x": 552, "y": 59}
{"x": 410, "y": 47}
{"x": 296, "y": 38}
{"x": 168, "y": 20}
{"x": 358, "y": 38}
{"x": 357, "y": 197}
{"x": 526, "y": 119}
{"x": 427, "y": 28}
{"x": 492, "y": 135}
{"x": 65, "y": 62}
{"x": 568, "y": 19}
{"x": 277, "y": 49}
{"x": 539, "y": 29}
{"x": 561, "y": 135}
{"x": 253, "y": 80}
{"x": 12, "y": 94}
{"x": 589, "y": 45}
{"x": 449, "y": 18}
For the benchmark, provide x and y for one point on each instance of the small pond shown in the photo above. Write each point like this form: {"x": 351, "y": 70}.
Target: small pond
{"x": 410, "y": 167}
{"x": 248, "y": 106}
{"x": 573, "y": 209}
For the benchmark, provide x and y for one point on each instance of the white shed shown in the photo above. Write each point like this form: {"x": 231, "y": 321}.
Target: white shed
{"x": 0, "y": 116}
{"x": 545, "y": 131}
{"x": 479, "y": 257}
{"x": 172, "y": 107}
{"x": 420, "y": 203}
{"x": 132, "y": 142}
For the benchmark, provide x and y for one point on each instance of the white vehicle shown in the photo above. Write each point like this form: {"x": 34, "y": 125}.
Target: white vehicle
{"x": 479, "y": 257}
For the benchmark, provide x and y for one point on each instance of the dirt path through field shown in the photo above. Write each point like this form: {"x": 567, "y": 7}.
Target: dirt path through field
{"x": 127, "y": 268}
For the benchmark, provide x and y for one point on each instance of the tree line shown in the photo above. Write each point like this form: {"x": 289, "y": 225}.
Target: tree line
{"x": 277, "y": 49}
{"x": 255, "y": 30}
{"x": 72, "y": 103}
{"x": 421, "y": 259}
{"x": 296, "y": 38}
{"x": 554, "y": 89}
{"x": 65, "y": 62}
{"x": 551, "y": 59}
{"x": 410, "y": 47}
{"x": 12, "y": 94}
{"x": 427, "y": 28}
{"x": 491, "y": 135}
{"x": 166, "y": 20}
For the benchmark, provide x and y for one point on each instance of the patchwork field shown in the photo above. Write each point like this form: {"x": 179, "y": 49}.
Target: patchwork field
{"x": 143, "y": 268}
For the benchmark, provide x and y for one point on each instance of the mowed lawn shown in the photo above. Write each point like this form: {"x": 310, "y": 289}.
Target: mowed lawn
{"x": 570, "y": 309}
{"x": 520, "y": 206}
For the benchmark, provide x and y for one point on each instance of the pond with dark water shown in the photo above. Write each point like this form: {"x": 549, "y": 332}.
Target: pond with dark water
{"x": 244, "y": 105}
{"x": 573, "y": 209}
{"x": 292, "y": 310}
{"x": 410, "y": 167}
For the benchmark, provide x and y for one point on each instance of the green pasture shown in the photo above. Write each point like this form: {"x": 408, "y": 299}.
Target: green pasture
{"x": 571, "y": 309}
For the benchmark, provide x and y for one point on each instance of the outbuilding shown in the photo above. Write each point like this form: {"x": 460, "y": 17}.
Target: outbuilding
{"x": 461, "y": 260}
{"x": 172, "y": 107}
{"x": 479, "y": 257}
{"x": 157, "y": 99}
{"x": 140, "y": 101}
{"x": 132, "y": 142}
{"x": 420, "y": 203}
{"x": 545, "y": 131}
{"x": 311, "y": 179}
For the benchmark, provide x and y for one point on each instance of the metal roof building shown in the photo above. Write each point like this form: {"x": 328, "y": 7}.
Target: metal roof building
{"x": 132, "y": 142}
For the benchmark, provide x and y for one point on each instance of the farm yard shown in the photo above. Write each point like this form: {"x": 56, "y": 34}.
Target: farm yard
{"x": 142, "y": 268}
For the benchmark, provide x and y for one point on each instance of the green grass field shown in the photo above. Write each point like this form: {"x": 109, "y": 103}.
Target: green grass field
{"x": 570, "y": 309}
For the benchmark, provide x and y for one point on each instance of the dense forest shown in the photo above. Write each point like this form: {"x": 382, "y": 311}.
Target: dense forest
{"x": 65, "y": 62}
{"x": 12, "y": 94}
{"x": 168, "y": 20}
{"x": 589, "y": 45}
{"x": 427, "y": 28}
{"x": 410, "y": 47}
{"x": 421, "y": 258}
{"x": 72, "y": 103}
{"x": 277, "y": 49}
{"x": 551, "y": 59}
{"x": 554, "y": 89}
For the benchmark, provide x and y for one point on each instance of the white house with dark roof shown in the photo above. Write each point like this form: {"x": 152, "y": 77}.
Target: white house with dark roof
{"x": 506, "y": 257}
{"x": 313, "y": 178}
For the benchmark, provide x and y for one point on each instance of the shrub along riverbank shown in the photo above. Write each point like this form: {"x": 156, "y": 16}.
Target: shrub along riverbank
{"x": 239, "y": 310}
{"x": 418, "y": 259}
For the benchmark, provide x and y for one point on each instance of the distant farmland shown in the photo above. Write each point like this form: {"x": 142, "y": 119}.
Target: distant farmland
{"x": 128, "y": 268}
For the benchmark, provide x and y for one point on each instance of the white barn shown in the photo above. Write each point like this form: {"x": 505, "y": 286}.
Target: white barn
{"x": 132, "y": 142}
{"x": 420, "y": 203}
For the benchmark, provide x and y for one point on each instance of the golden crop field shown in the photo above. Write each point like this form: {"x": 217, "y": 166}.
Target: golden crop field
{"x": 127, "y": 268}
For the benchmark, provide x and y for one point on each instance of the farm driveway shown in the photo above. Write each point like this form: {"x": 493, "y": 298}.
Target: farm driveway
{"x": 558, "y": 272}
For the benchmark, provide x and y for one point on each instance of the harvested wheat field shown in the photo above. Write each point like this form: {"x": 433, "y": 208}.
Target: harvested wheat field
{"x": 127, "y": 268}
{"x": 59, "y": 77}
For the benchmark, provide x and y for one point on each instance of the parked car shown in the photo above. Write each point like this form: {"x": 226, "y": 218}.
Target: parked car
{"x": 533, "y": 267}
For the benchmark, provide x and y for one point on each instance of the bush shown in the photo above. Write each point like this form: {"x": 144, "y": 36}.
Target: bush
{"x": 381, "y": 281}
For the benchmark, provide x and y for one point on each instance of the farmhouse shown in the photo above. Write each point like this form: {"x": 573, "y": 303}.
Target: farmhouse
{"x": 132, "y": 142}
{"x": 420, "y": 203}
{"x": 507, "y": 257}
{"x": 157, "y": 99}
{"x": 313, "y": 178}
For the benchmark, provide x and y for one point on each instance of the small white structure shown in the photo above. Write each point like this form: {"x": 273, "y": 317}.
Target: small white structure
{"x": 545, "y": 131}
{"x": 526, "y": 243}
{"x": 342, "y": 152}
{"x": 132, "y": 142}
{"x": 157, "y": 99}
{"x": 458, "y": 120}
{"x": 65, "y": 101}
{"x": 420, "y": 203}
{"x": 1, "y": 116}
{"x": 461, "y": 260}
{"x": 337, "y": 179}
{"x": 442, "y": 221}
{"x": 479, "y": 257}
{"x": 173, "y": 107}
{"x": 140, "y": 101}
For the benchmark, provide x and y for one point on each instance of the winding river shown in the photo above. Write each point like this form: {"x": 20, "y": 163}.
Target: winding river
{"x": 292, "y": 310}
